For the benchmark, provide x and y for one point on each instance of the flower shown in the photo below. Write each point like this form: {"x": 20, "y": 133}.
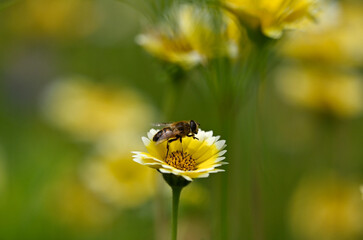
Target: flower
{"x": 327, "y": 207}
{"x": 193, "y": 158}
{"x": 327, "y": 56}
{"x": 91, "y": 112}
{"x": 112, "y": 175}
{"x": 52, "y": 18}
{"x": 190, "y": 36}
{"x": 70, "y": 203}
{"x": 335, "y": 39}
{"x": 273, "y": 16}
{"x": 326, "y": 90}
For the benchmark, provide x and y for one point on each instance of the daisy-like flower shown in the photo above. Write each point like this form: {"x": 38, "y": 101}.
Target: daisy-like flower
{"x": 274, "y": 16}
{"x": 46, "y": 18}
{"x": 336, "y": 39}
{"x": 339, "y": 93}
{"x": 91, "y": 112}
{"x": 187, "y": 159}
{"x": 193, "y": 158}
{"x": 190, "y": 36}
{"x": 326, "y": 207}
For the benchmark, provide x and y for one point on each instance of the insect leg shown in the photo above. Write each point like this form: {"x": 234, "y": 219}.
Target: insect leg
{"x": 192, "y": 135}
{"x": 180, "y": 139}
{"x": 167, "y": 146}
{"x": 167, "y": 150}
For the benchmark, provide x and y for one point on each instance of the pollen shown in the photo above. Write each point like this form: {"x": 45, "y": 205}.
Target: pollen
{"x": 181, "y": 160}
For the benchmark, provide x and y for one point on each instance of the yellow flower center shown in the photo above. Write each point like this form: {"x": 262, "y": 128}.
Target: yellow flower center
{"x": 181, "y": 160}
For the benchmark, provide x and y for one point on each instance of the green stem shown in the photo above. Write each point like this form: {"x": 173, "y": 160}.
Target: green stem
{"x": 176, "y": 196}
{"x": 176, "y": 183}
{"x": 227, "y": 114}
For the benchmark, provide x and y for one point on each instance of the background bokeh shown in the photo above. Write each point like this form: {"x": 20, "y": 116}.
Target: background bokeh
{"x": 77, "y": 93}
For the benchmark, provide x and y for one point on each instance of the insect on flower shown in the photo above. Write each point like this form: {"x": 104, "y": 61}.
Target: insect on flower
{"x": 193, "y": 158}
{"x": 174, "y": 131}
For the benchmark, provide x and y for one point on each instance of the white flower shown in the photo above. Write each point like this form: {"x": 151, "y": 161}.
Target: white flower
{"x": 193, "y": 158}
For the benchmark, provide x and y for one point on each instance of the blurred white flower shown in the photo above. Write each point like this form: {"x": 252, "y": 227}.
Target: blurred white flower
{"x": 190, "y": 35}
{"x": 60, "y": 19}
{"x": 335, "y": 39}
{"x": 113, "y": 175}
{"x": 91, "y": 112}
{"x": 71, "y": 204}
{"x": 335, "y": 92}
{"x": 327, "y": 208}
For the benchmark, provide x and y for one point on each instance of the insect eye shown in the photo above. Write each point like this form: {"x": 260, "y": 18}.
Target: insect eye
{"x": 193, "y": 126}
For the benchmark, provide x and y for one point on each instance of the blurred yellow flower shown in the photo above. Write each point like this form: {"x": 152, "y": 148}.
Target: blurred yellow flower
{"x": 335, "y": 39}
{"x": 191, "y": 35}
{"x": 54, "y": 18}
{"x": 327, "y": 208}
{"x": 90, "y": 111}
{"x": 73, "y": 205}
{"x": 274, "y": 16}
{"x": 331, "y": 91}
{"x": 117, "y": 179}
{"x": 194, "y": 158}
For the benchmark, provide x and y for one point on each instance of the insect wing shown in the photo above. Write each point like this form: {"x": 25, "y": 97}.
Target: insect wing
{"x": 167, "y": 133}
{"x": 162, "y": 125}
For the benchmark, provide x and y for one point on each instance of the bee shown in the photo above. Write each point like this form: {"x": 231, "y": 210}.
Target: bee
{"x": 176, "y": 131}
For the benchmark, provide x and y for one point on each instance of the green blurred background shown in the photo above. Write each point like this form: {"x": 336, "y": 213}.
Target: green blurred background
{"x": 76, "y": 95}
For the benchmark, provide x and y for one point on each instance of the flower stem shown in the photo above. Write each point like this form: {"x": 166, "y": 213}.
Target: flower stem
{"x": 176, "y": 196}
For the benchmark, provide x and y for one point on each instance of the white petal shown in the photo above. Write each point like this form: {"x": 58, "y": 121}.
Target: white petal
{"x": 204, "y": 169}
{"x": 209, "y": 134}
{"x": 167, "y": 166}
{"x": 204, "y": 175}
{"x": 210, "y": 140}
{"x": 201, "y": 135}
{"x": 217, "y": 165}
{"x": 177, "y": 170}
{"x": 222, "y": 152}
{"x": 217, "y": 170}
{"x": 135, "y": 153}
{"x": 138, "y": 160}
{"x": 148, "y": 164}
{"x": 187, "y": 178}
{"x": 220, "y": 144}
{"x": 164, "y": 170}
{"x": 146, "y": 141}
{"x": 141, "y": 155}
{"x": 219, "y": 159}
{"x": 155, "y": 159}
{"x": 151, "y": 133}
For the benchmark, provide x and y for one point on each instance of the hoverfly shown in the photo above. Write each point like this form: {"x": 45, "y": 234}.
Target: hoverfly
{"x": 174, "y": 131}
